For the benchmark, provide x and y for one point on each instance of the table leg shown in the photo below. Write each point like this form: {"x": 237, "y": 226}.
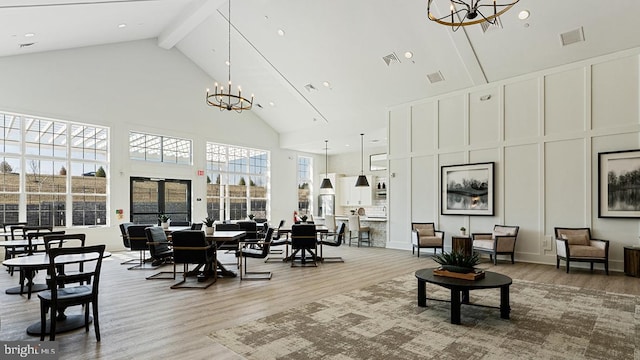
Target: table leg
{"x": 465, "y": 296}
{"x": 505, "y": 309}
{"x": 30, "y": 285}
{"x": 455, "y": 306}
{"x": 422, "y": 293}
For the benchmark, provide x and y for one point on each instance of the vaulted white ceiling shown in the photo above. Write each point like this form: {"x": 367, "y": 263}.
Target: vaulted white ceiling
{"x": 338, "y": 42}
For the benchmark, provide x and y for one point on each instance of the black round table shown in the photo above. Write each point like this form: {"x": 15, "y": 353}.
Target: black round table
{"x": 460, "y": 290}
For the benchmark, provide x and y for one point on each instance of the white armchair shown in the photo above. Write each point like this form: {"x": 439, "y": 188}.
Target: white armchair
{"x": 576, "y": 244}
{"x": 425, "y": 235}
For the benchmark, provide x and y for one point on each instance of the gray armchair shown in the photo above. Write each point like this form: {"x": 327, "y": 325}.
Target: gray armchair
{"x": 576, "y": 244}
{"x": 502, "y": 241}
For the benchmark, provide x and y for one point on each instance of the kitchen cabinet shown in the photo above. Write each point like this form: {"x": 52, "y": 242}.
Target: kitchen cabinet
{"x": 350, "y": 195}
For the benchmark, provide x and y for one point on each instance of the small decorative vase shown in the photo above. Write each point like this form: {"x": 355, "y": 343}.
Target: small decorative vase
{"x": 165, "y": 225}
{"x": 208, "y": 230}
{"x": 463, "y": 233}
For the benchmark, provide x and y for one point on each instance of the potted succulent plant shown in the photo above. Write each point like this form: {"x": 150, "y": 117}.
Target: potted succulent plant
{"x": 251, "y": 216}
{"x": 304, "y": 218}
{"x": 164, "y": 220}
{"x": 208, "y": 225}
{"x": 455, "y": 261}
{"x": 463, "y": 231}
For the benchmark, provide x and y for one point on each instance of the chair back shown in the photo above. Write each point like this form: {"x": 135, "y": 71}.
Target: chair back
{"x": 6, "y": 227}
{"x": 58, "y": 278}
{"x": 59, "y": 239}
{"x": 157, "y": 240}
{"x": 180, "y": 223}
{"x": 125, "y": 233}
{"x": 277, "y": 235}
{"x": 196, "y": 226}
{"x": 21, "y": 231}
{"x": 354, "y": 222}
{"x": 191, "y": 247}
{"x": 250, "y": 227}
{"x": 267, "y": 242}
{"x": 35, "y": 235}
{"x": 138, "y": 237}
{"x": 424, "y": 229}
{"x": 227, "y": 227}
{"x": 303, "y": 236}
{"x": 330, "y": 222}
{"x": 341, "y": 231}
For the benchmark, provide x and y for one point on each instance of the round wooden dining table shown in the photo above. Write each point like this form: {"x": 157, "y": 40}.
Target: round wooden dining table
{"x": 40, "y": 260}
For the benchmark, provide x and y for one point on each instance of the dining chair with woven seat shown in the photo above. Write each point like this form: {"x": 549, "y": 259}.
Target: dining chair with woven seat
{"x": 61, "y": 296}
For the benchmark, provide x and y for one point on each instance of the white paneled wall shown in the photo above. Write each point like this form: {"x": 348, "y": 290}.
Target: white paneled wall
{"x": 543, "y": 131}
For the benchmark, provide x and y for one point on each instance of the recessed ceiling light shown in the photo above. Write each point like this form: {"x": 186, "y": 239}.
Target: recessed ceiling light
{"x": 326, "y": 83}
{"x": 280, "y": 32}
{"x": 347, "y": 145}
{"x": 408, "y": 55}
{"x": 29, "y": 35}
{"x": 271, "y": 103}
{"x": 121, "y": 26}
{"x": 227, "y": 63}
{"x": 523, "y": 15}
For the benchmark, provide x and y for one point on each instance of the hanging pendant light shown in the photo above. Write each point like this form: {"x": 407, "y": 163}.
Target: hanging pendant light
{"x": 326, "y": 182}
{"x": 222, "y": 97}
{"x": 362, "y": 180}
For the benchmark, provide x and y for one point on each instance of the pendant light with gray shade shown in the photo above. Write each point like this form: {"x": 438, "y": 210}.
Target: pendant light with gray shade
{"x": 326, "y": 182}
{"x": 362, "y": 180}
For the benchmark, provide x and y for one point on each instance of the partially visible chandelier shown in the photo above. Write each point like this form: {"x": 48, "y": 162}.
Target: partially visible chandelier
{"x": 469, "y": 12}
{"x": 228, "y": 101}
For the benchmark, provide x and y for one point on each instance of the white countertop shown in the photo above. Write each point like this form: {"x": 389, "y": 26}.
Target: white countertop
{"x": 362, "y": 218}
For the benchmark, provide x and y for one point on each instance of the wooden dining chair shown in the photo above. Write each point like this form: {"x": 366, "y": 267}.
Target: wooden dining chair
{"x": 61, "y": 296}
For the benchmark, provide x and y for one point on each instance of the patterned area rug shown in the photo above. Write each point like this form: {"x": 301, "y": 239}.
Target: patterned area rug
{"x": 384, "y": 322}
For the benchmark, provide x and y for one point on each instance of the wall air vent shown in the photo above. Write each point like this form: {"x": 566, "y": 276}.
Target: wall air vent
{"x": 391, "y": 58}
{"x": 435, "y": 77}
{"x": 572, "y": 37}
{"x": 487, "y": 26}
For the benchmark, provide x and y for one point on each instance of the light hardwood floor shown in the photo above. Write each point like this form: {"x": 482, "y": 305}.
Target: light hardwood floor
{"x": 144, "y": 319}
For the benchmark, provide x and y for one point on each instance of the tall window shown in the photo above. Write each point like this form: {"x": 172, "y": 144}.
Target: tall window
{"x": 305, "y": 184}
{"x": 158, "y": 148}
{"x": 61, "y": 167}
{"x": 237, "y": 182}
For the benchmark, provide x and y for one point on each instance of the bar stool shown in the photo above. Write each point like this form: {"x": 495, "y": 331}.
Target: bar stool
{"x": 354, "y": 226}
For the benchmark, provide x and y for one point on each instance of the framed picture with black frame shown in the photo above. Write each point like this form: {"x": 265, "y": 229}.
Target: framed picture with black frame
{"x": 619, "y": 184}
{"x": 467, "y": 189}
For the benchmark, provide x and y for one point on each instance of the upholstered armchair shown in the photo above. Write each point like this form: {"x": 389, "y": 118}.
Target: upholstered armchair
{"x": 576, "y": 244}
{"x": 425, "y": 235}
{"x": 502, "y": 241}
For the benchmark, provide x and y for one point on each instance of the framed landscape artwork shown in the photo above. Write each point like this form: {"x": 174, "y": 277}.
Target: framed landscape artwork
{"x": 619, "y": 184}
{"x": 467, "y": 189}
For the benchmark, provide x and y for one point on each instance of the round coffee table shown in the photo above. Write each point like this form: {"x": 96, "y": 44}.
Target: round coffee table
{"x": 460, "y": 290}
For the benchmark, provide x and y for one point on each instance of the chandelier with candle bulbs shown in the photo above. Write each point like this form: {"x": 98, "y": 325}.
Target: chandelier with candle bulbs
{"x": 228, "y": 100}
{"x": 469, "y": 12}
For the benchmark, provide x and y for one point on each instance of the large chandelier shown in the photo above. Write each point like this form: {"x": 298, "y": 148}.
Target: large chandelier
{"x": 227, "y": 100}
{"x": 470, "y": 12}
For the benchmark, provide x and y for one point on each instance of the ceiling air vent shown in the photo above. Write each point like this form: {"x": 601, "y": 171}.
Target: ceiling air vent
{"x": 572, "y": 37}
{"x": 310, "y": 88}
{"x": 391, "y": 58}
{"x": 487, "y": 26}
{"x": 435, "y": 77}
{"x": 23, "y": 45}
